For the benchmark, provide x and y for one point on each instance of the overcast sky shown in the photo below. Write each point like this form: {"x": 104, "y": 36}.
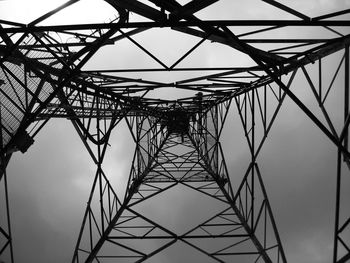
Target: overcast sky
{"x": 49, "y": 185}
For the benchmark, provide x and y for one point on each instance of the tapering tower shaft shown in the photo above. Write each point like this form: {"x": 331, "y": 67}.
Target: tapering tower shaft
{"x": 180, "y": 146}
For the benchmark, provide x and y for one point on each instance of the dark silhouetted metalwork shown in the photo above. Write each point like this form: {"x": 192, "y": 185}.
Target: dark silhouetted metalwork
{"x": 177, "y": 141}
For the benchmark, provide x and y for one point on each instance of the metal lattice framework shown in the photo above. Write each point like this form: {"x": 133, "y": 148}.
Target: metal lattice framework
{"x": 177, "y": 140}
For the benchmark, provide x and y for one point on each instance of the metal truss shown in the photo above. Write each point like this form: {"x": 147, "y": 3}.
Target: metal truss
{"x": 43, "y": 76}
{"x": 180, "y": 145}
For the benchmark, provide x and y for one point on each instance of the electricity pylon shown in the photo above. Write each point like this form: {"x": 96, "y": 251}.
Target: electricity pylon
{"x": 179, "y": 145}
{"x": 177, "y": 141}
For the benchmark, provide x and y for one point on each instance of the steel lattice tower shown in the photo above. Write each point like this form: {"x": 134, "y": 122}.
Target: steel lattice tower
{"x": 178, "y": 140}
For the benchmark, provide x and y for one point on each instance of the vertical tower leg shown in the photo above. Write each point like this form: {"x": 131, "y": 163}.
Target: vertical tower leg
{"x": 342, "y": 214}
{"x": 254, "y": 235}
{"x": 258, "y": 110}
{"x": 110, "y": 228}
{"x": 6, "y": 244}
